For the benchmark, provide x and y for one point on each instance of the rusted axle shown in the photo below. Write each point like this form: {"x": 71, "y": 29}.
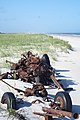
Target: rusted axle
{"x": 13, "y": 65}
{"x": 60, "y": 113}
{"x": 7, "y": 61}
{"x": 55, "y": 82}
{"x": 57, "y": 113}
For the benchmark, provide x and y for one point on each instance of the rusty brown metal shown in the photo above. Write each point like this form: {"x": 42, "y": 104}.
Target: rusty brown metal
{"x": 56, "y": 82}
{"x": 30, "y": 66}
{"x": 60, "y": 113}
{"x": 37, "y": 89}
{"x": 48, "y": 116}
{"x": 37, "y": 100}
{"x": 13, "y": 65}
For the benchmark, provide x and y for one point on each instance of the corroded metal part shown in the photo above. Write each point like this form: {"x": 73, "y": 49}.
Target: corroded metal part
{"x": 60, "y": 113}
{"x": 30, "y": 66}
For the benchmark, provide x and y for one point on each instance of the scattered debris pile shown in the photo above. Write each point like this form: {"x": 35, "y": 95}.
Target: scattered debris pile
{"x": 31, "y": 68}
{"x": 61, "y": 107}
{"x": 37, "y": 89}
{"x": 38, "y": 71}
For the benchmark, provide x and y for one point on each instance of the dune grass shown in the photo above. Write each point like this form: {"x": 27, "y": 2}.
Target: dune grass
{"x": 13, "y": 45}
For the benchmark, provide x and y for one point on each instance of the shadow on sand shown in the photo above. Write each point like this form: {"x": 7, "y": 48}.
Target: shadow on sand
{"x": 76, "y": 109}
{"x": 62, "y": 70}
{"x": 65, "y": 80}
{"x": 21, "y": 104}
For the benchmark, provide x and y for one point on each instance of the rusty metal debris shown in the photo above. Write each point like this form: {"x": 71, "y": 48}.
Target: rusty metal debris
{"x": 60, "y": 113}
{"x": 37, "y": 90}
{"x": 49, "y": 113}
{"x": 57, "y": 108}
{"x": 38, "y": 71}
{"x": 32, "y": 68}
{"x": 37, "y": 100}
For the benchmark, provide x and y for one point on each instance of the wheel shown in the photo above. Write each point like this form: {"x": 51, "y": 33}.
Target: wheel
{"x": 45, "y": 59}
{"x": 64, "y": 101}
{"x": 9, "y": 99}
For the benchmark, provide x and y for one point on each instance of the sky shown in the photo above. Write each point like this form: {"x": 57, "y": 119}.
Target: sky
{"x": 41, "y": 16}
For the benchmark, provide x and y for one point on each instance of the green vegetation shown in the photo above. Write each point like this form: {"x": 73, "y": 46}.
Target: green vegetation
{"x": 12, "y": 45}
{"x": 15, "y": 115}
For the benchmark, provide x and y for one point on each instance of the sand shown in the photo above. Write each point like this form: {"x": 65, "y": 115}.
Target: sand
{"x": 68, "y": 64}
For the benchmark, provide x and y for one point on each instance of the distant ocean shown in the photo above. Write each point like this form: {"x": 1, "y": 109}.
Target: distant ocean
{"x": 67, "y": 34}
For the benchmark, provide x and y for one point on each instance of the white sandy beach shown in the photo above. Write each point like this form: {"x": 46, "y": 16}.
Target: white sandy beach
{"x": 68, "y": 65}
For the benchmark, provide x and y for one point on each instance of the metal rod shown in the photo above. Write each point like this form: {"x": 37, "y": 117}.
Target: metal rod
{"x": 60, "y": 113}
{"x": 55, "y": 82}
{"x": 12, "y": 86}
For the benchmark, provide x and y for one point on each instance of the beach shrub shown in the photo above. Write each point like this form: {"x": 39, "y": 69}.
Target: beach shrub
{"x": 13, "y": 45}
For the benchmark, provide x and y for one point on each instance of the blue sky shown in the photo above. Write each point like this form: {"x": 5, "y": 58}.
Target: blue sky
{"x": 51, "y": 16}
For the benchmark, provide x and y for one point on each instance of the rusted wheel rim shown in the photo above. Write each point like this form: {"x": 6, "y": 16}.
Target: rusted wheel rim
{"x": 60, "y": 102}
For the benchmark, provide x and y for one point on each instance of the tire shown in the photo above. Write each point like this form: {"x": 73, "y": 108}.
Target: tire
{"x": 64, "y": 99}
{"x": 45, "y": 59}
{"x": 9, "y": 99}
